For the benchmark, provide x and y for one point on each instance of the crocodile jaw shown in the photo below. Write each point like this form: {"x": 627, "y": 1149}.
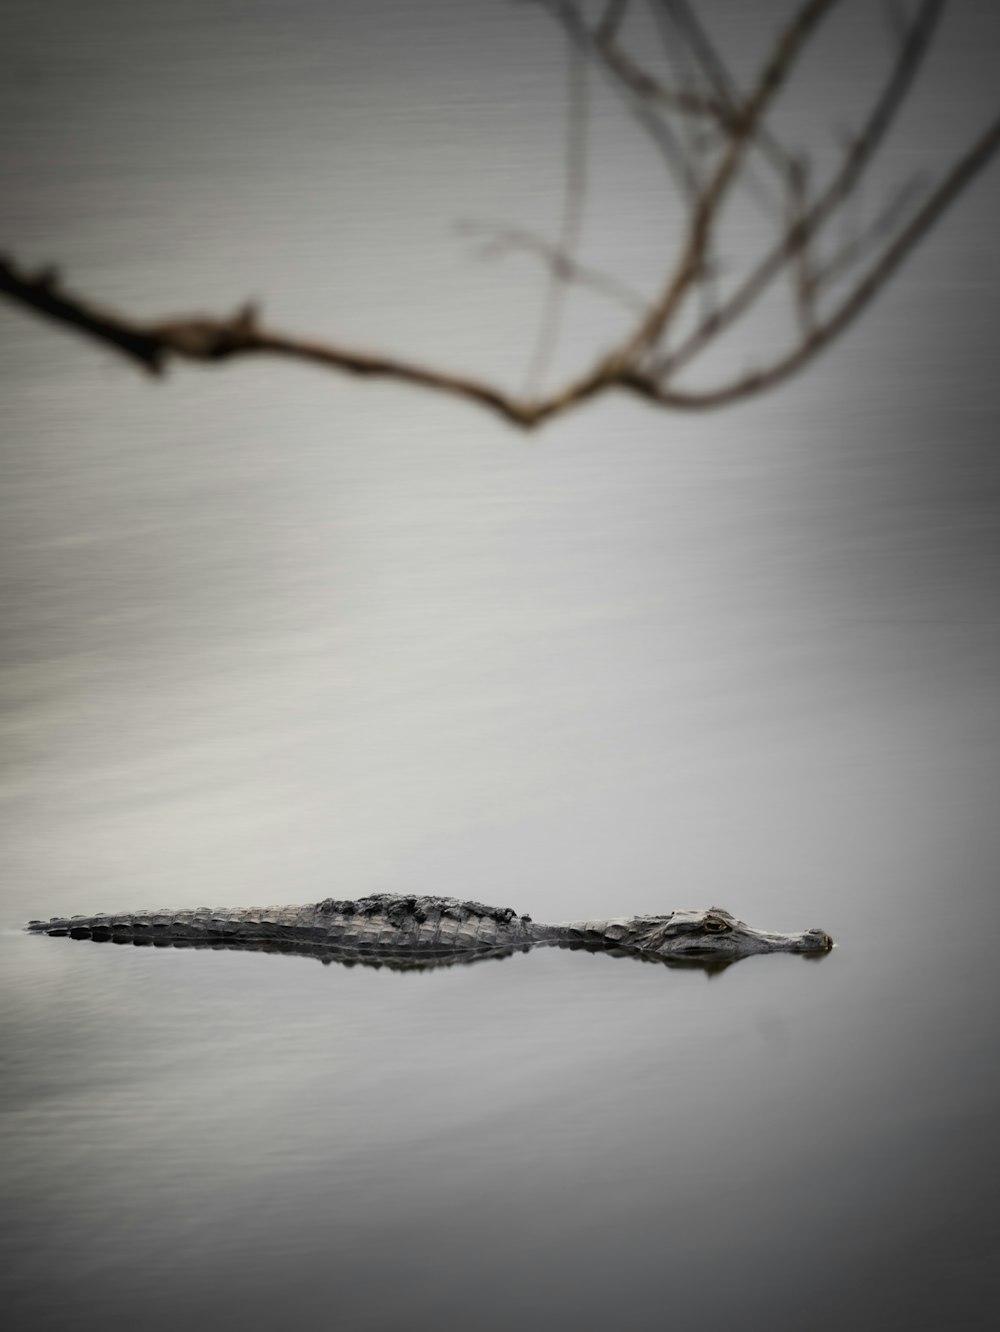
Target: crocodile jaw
{"x": 711, "y": 933}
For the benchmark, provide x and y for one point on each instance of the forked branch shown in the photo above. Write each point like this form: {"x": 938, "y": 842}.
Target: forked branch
{"x": 713, "y": 138}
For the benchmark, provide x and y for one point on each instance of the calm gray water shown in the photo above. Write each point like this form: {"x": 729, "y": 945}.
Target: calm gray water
{"x": 271, "y": 635}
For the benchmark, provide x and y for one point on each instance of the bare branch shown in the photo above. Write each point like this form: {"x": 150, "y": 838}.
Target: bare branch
{"x": 716, "y": 72}
{"x": 894, "y": 16}
{"x": 803, "y": 279}
{"x": 827, "y": 293}
{"x": 41, "y": 292}
{"x": 857, "y": 157}
{"x": 696, "y": 60}
{"x": 565, "y": 266}
{"x": 639, "y": 106}
{"x": 964, "y": 171}
{"x": 888, "y": 220}
{"x": 684, "y": 100}
{"x": 574, "y": 191}
{"x": 202, "y": 338}
{"x": 611, "y": 20}
{"x": 688, "y": 271}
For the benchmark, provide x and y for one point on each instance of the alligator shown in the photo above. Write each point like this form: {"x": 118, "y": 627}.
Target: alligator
{"x": 416, "y": 933}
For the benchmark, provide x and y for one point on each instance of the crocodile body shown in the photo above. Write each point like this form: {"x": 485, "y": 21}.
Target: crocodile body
{"x": 421, "y": 932}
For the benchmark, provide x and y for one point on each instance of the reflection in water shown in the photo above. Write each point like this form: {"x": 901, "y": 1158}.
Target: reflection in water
{"x": 710, "y": 963}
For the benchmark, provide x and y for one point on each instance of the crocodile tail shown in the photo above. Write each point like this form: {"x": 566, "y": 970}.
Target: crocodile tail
{"x": 163, "y": 926}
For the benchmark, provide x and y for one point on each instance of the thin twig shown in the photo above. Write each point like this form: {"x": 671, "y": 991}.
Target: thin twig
{"x": 852, "y": 251}
{"x": 896, "y": 230}
{"x": 879, "y": 273}
{"x": 688, "y": 270}
{"x": 686, "y": 101}
{"x": 656, "y": 126}
{"x": 840, "y": 188}
{"x": 574, "y": 195}
{"x": 715, "y": 70}
{"x": 803, "y": 280}
{"x": 566, "y": 266}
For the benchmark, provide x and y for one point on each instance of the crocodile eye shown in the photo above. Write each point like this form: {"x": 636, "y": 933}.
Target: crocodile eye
{"x": 715, "y": 926}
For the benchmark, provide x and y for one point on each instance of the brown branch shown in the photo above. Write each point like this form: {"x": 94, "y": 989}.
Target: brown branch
{"x": 611, "y": 20}
{"x": 841, "y": 187}
{"x": 851, "y": 252}
{"x": 643, "y": 84}
{"x": 656, "y": 126}
{"x": 40, "y": 291}
{"x": 565, "y": 266}
{"x": 574, "y": 193}
{"x": 204, "y": 338}
{"x": 707, "y": 179}
{"x": 964, "y": 171}
{"x": 700, "y": 47}
{"x": 719, "y": 111}
{"x": 688, "y": 271}
{"x": 696, "y": 41}
{"x": 803, "y": 278}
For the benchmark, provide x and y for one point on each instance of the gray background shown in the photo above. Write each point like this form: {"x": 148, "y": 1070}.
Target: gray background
{"x": 270, "y": 634}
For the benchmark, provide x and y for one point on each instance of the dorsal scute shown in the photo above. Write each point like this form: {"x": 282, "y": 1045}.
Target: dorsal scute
{"x": 397, "y": 907}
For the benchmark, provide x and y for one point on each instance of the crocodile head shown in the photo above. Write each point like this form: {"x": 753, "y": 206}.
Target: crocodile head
{"x": 708, "y": 934}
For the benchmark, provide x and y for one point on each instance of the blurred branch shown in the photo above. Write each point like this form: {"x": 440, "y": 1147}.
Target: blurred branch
{"x": 574, "y": 194}
{"x": 568, "y": 269}
{"x": 851, "y": 252}
{"x": 203, "y": 338}
{"x": 693, "y": 39}
{"x": 687, "y": 101}
{"x": 706, "y": 130}
{"x": 878, "y": 274}
{"x": 801, "y": 234}
{"x": 688, "y": 270}
{"x": 41, "y": 291}
{"x": 595, "y": 44}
